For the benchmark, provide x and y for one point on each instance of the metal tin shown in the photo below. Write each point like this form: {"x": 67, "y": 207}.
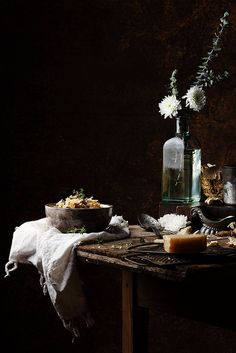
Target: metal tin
{"x": 229, "y": 180}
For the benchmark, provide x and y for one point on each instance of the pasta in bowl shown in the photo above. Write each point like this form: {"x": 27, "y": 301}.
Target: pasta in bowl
{"x": 78, "y": 213}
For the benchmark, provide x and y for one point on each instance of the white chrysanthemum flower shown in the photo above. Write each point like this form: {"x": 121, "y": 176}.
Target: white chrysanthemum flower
{"x": 195, "y": 98}
{"x": 169, "y": 106}
{"x": 173, "y": 222}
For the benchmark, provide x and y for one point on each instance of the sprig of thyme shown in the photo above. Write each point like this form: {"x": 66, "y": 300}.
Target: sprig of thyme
{"x": 206, "y": 76}
{"x": 76, "y": 193}
{"x": 76, "y": 230}
{"x": 98, "y": 241}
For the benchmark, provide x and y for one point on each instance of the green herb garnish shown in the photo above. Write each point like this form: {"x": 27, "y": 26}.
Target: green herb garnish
{"x": 76, "y": 230}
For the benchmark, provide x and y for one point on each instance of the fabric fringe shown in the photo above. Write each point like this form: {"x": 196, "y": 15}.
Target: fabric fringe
{"x": 72, "y": 328}
{"x": 43, "y": 284}
{"x": 8, "y": 268}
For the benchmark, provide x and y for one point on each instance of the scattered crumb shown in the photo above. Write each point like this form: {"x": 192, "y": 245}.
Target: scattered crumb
{"x": 232, "y": 242}
{"x": 128, "y": 244}
{"x": 213, "y": 243}
{"x": 117, "y": 246}
{"x": 159, "y": 241}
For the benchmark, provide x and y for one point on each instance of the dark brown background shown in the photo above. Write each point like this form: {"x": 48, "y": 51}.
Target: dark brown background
{"x": 88, "y": 78}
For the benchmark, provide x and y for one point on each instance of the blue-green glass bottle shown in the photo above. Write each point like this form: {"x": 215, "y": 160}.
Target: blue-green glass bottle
{"x": 181, "y": 166}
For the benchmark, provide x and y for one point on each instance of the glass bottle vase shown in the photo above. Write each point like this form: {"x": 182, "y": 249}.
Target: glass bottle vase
{"x": 181, "y": 166}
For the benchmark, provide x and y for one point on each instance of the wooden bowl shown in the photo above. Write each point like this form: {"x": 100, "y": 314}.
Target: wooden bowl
{"x": 65, "y": 219}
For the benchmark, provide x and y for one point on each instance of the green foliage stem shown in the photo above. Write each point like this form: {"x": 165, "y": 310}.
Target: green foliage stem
{"x": 173, "y": 83}
{"x": 205, "y": 76}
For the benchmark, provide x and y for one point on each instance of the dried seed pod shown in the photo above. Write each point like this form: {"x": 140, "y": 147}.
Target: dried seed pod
{"x": 224, "y": 233}
{"x": 232, "y": 225}
{"x": 185, "y": 230}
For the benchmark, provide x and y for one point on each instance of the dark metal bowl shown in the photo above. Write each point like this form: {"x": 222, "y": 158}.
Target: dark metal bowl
{"x": 65, "y": 219}
{"x": 213, "y": 218}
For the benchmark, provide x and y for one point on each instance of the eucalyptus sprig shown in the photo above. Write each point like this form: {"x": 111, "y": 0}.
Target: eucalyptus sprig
{"x": 195, "y": 97}
{"x": 206, "y": 76}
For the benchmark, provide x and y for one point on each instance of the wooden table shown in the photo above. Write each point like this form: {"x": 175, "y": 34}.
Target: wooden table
{"x": 112, "y": 253}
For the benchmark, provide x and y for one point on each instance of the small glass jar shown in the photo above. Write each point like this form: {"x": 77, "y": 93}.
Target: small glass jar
{"x": 229, "y": 180}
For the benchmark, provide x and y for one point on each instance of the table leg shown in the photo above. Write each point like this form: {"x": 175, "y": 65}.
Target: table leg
{"x": 127, "y": 312}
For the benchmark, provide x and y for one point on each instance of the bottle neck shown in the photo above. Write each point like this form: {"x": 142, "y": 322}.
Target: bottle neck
{"x": 182, "y": 128}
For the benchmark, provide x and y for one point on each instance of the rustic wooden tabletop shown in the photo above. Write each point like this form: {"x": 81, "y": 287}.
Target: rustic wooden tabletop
{"x": 117, "y": 254}
{"x": 139, "y": 280}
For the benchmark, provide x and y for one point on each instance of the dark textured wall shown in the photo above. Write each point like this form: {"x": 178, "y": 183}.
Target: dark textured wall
{"x": 88, "y": 78}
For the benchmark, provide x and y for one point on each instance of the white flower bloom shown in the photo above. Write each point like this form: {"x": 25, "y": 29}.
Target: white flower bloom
{"x": 195, "y": 98}
{"x": 173, "y": 222}
{"x": 169, "y": 106}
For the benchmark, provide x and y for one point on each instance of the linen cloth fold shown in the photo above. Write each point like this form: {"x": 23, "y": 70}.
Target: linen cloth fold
{"x": 53, "y": 254}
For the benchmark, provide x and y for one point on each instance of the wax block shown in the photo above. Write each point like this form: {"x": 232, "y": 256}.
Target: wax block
{"x": 185, "y": 244}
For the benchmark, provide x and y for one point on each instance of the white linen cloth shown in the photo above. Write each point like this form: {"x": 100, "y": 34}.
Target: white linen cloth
{"x": 52, "y": 253}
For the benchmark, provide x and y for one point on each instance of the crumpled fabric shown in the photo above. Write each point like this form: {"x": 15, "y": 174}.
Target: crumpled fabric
{"x": 53, "y": 254}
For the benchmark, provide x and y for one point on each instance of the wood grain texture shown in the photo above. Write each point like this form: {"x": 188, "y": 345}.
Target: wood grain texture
{"x": 127, "y": 312}
{"x": 113, "y": 254}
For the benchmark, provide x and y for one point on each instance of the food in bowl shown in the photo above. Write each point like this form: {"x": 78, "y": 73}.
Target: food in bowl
{"x": 78, "y": 200}
{"x": 77, "y": 212}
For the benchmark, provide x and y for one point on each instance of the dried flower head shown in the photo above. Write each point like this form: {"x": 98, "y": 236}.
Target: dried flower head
{"x": 169, "y": 106}
{"x": 173, "y": 222}
{"x": 195, "y": 98}
{"x": 205, "y": 77}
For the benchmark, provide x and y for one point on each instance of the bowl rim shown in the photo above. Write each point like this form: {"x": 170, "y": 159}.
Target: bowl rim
{"x": 53, "y": 205}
